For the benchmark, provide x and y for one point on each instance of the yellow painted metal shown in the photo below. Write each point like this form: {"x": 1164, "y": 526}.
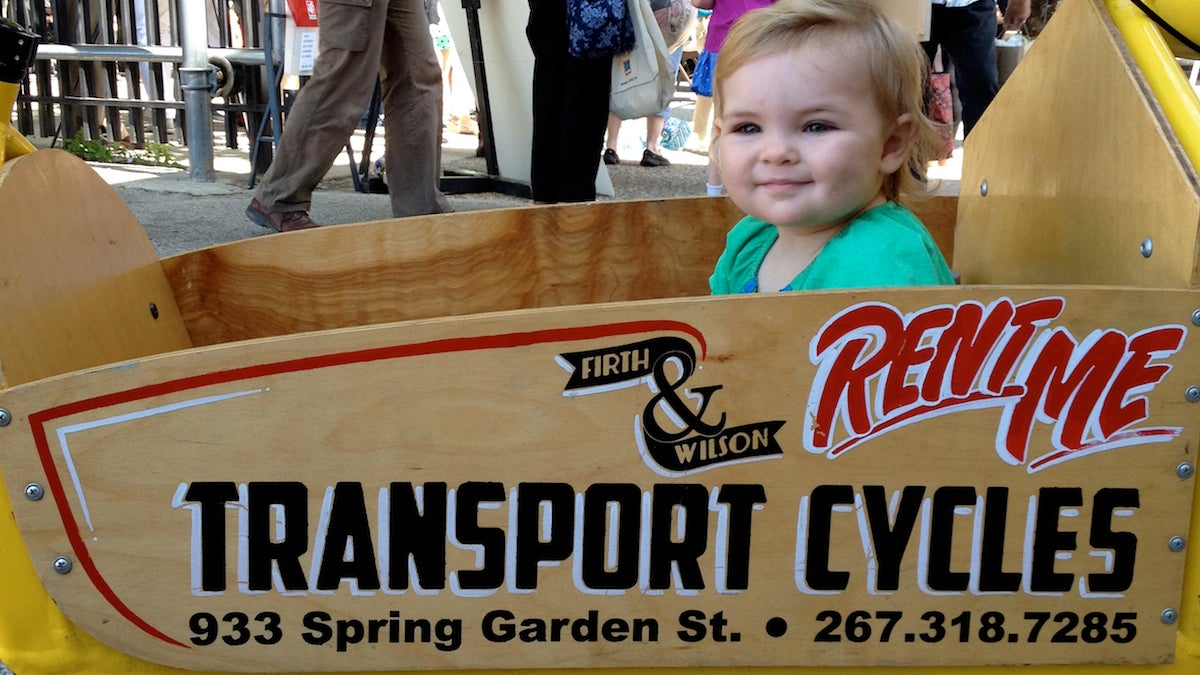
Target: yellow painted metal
{"x": 12, "y": 143}
{"x": 1157, "y": 63}
{"x": 1184, "y": 17}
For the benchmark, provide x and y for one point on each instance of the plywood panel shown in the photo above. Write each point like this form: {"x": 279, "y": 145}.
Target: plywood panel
{"x": 1005, "y": 499}
{"x": 80, "y": 284}
{"x": 1079, "y": 171}
{"x": 463, "y": 263}
{"x": 448, "y": 265}
{"x": 938, "y": 213}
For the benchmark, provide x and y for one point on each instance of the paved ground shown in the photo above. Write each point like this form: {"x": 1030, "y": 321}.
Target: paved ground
{"x": 181, "y": 214}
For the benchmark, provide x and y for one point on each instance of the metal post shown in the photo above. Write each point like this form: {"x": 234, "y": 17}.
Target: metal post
{"x": 273, "y": 45}
{"x": 483, "y": 106}
{"x": 196, "y": 81}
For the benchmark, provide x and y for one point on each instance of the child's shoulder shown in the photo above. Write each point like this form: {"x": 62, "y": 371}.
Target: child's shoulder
{"x": 893, "y": 234}
{"x": 890, "y": 224}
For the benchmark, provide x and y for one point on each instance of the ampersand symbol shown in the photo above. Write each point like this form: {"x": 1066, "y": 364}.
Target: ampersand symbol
{"x": 677, "y": 407}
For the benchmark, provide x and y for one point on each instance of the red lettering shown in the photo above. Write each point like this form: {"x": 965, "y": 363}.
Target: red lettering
{"x": 1124, "y": 405}
{"x": 1028, "y": 318}
{"x": 963, "y": 348}
{"x": 878, "y": 370}
{"x": 897, "y": 393}
{"x": 847, "y": 379}
{"x": 1053, "y": 383}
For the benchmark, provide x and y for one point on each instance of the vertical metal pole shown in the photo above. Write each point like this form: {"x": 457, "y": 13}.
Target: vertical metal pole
{"x": 196, "y": 83}
{"x": 483, "y": 105}
{"x": 273, "y": 45}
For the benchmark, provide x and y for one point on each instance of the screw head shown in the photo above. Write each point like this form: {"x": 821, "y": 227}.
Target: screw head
{"x": 1192, "y": 394}
{"x": 1176, "y": 544}
{"x": 1169, "y": 616}
{"x": 1196, "y": 318}
{"x": 62, "y": 564}
{"x": 34, "y": 492}
{"x": 1185, "y": 470}
{"x": 983, "y": 188}
{"x": 1147, "y": 247}
{"x": 5, "y": 417}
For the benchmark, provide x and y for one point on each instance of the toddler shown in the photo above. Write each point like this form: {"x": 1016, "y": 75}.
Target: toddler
{"x": 819, "y": 127}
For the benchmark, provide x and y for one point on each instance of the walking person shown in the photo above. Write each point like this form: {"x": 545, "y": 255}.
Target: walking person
{"x": 360, "y": 41}
{"x": 570, "y": 109}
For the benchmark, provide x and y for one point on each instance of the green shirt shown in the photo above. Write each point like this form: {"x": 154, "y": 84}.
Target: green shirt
{"x": 886, "y": 246}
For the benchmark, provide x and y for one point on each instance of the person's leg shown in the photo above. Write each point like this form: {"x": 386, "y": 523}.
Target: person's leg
{"x": 612, "y": 136}
{"x": 701, "y": 123}
{"x": 328, "y": 107}
{"x": 570, "y": 110}
{"x": 714, "y": 185}
{"x": 653, "y": 153}
{"x": 548, "y": 119}
{"x": 585, "y": 117}
{"x": 613, "y": 133}
{"x": 968, "y": 35}
{"x": 547, "y": 36}
{"x": 411, "y": 86}
{"x": 443, "y": 56}
{"x": 654, "y": 128}
{"x": 702, "y": 112}
{"x": 655, "y": 123}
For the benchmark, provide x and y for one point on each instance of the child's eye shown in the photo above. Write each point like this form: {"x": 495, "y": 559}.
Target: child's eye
{"x": 817, "y": 127}
{"x": 747, "y": 128}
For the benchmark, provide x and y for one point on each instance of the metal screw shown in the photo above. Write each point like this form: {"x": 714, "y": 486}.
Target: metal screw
{"x": 1169, "y": 616}
{"x": 5, "y": 417}
{"x": 1176, "y": 544}
{"x": 34, "y": 492}
{"x": 62, "y": 564}
{"x": 1185, "y": 470}
{"x": 1196, "y": 317}
{"x": 983, "y": 188}
{"x": 153, "y": 311}
{"x": 1192, "y": 393}
{"x": 1147, "y": 247}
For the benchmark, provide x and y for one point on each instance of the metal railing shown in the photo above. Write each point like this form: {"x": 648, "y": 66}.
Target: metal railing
{"x": 145, "y": 70}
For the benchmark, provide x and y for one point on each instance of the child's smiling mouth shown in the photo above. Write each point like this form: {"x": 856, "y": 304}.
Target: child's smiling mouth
{"x": 782, "y": 183}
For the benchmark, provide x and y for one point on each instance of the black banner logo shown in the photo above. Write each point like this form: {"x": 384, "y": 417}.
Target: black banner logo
{"x": 677, "y": 436}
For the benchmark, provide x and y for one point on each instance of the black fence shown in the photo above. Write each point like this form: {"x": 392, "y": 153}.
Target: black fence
{"x": 109, "y": 69}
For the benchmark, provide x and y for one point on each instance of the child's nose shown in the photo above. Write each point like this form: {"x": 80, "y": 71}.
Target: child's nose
{"x": 778, "y": 149}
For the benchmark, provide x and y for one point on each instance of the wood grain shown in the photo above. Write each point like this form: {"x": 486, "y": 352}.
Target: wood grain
{"x": 463, "y": 263}
{"x": 77, "y": 274}
{"x": 1079, "y": 171}
{"x": 484, "y": 399}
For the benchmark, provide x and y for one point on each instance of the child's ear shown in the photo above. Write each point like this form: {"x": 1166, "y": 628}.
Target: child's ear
{"x": 897, "y": 144}
{"x": 714, "y": 143}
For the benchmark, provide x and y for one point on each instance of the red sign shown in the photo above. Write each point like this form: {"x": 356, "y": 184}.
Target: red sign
{"x": 304, "y": 12}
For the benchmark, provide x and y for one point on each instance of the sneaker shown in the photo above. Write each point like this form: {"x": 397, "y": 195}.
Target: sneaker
{"x": 280, "y": 221}
{"x": 610, "y": 157}
{"x": 654, "y": 159}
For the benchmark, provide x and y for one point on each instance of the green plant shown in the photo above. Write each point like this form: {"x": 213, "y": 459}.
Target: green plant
{"x": 159, "y": 154}
{"x": 87, "y": 149}
{"x": 154, "y": 154}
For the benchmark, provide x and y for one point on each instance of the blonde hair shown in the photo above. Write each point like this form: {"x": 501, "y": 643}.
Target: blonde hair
{"x": 896, "y": 65}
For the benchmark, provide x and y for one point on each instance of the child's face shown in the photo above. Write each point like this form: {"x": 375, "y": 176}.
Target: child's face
{"x": 802, "y": 142}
